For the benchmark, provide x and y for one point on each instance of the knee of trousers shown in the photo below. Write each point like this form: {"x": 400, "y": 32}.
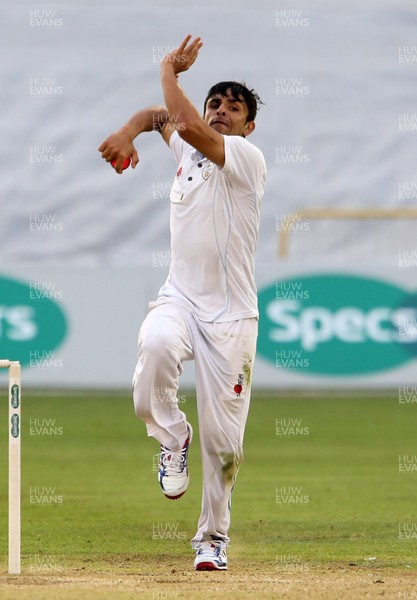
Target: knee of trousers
{"x": 155, "y": 348}
{"x": 225, "y": 457}
{"x": 156, "y": 376}
{"x": 227, "y": 464}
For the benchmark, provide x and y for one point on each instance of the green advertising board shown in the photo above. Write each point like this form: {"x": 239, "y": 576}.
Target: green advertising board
{"x": 337, "y": 325}
{"x": 32, "y": 322}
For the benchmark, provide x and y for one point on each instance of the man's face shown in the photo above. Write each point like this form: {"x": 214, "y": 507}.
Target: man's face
{"x": 228, "y": 115}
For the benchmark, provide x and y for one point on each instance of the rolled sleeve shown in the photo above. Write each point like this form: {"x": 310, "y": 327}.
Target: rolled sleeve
{"x": 244, "y": 164}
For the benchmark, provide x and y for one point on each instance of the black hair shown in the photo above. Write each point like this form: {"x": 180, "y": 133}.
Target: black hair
{"x": 251, "y": 98}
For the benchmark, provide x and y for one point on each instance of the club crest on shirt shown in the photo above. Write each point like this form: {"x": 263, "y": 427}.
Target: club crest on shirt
{"x": 206, "y": 171}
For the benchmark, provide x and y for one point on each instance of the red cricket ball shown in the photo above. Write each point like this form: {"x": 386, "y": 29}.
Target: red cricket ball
{"x": 125, "y": 163}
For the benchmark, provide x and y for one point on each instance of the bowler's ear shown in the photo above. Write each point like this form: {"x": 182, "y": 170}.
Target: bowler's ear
{"x": 249, "y": 127}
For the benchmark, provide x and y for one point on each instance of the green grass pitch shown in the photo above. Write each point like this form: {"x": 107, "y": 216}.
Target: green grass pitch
{"x": 320, "y": 484}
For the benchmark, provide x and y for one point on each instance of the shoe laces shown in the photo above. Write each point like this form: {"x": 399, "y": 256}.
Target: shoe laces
{"x": 174, "y": 462}
{"x": 217, "y": 547}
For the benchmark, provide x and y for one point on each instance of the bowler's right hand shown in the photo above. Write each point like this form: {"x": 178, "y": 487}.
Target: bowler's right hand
{"x": 118, "y": 146}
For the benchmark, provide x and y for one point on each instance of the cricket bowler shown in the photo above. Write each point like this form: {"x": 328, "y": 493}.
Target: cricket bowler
{"x": 207, "y": 309}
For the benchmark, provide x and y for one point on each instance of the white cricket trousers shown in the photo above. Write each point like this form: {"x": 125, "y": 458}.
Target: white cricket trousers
{"x": 224, "y": 354}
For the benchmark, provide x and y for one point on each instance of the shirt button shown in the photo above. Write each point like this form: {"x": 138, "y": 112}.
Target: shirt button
{"x": 190, "y": 179}
{"x": 199, "y": 165}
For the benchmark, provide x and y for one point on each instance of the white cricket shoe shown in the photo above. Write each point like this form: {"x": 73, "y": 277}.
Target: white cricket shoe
{"x": 211, "y": 556}
{"x": 173, "y": 473}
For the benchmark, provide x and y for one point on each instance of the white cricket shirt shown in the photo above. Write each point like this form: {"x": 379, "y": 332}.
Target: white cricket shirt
{"x": 214, "y": 230}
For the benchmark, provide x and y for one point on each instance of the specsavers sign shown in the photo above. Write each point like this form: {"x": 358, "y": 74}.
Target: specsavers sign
{"x": 32, "y": 323}
{"x": 337, "y": 325}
